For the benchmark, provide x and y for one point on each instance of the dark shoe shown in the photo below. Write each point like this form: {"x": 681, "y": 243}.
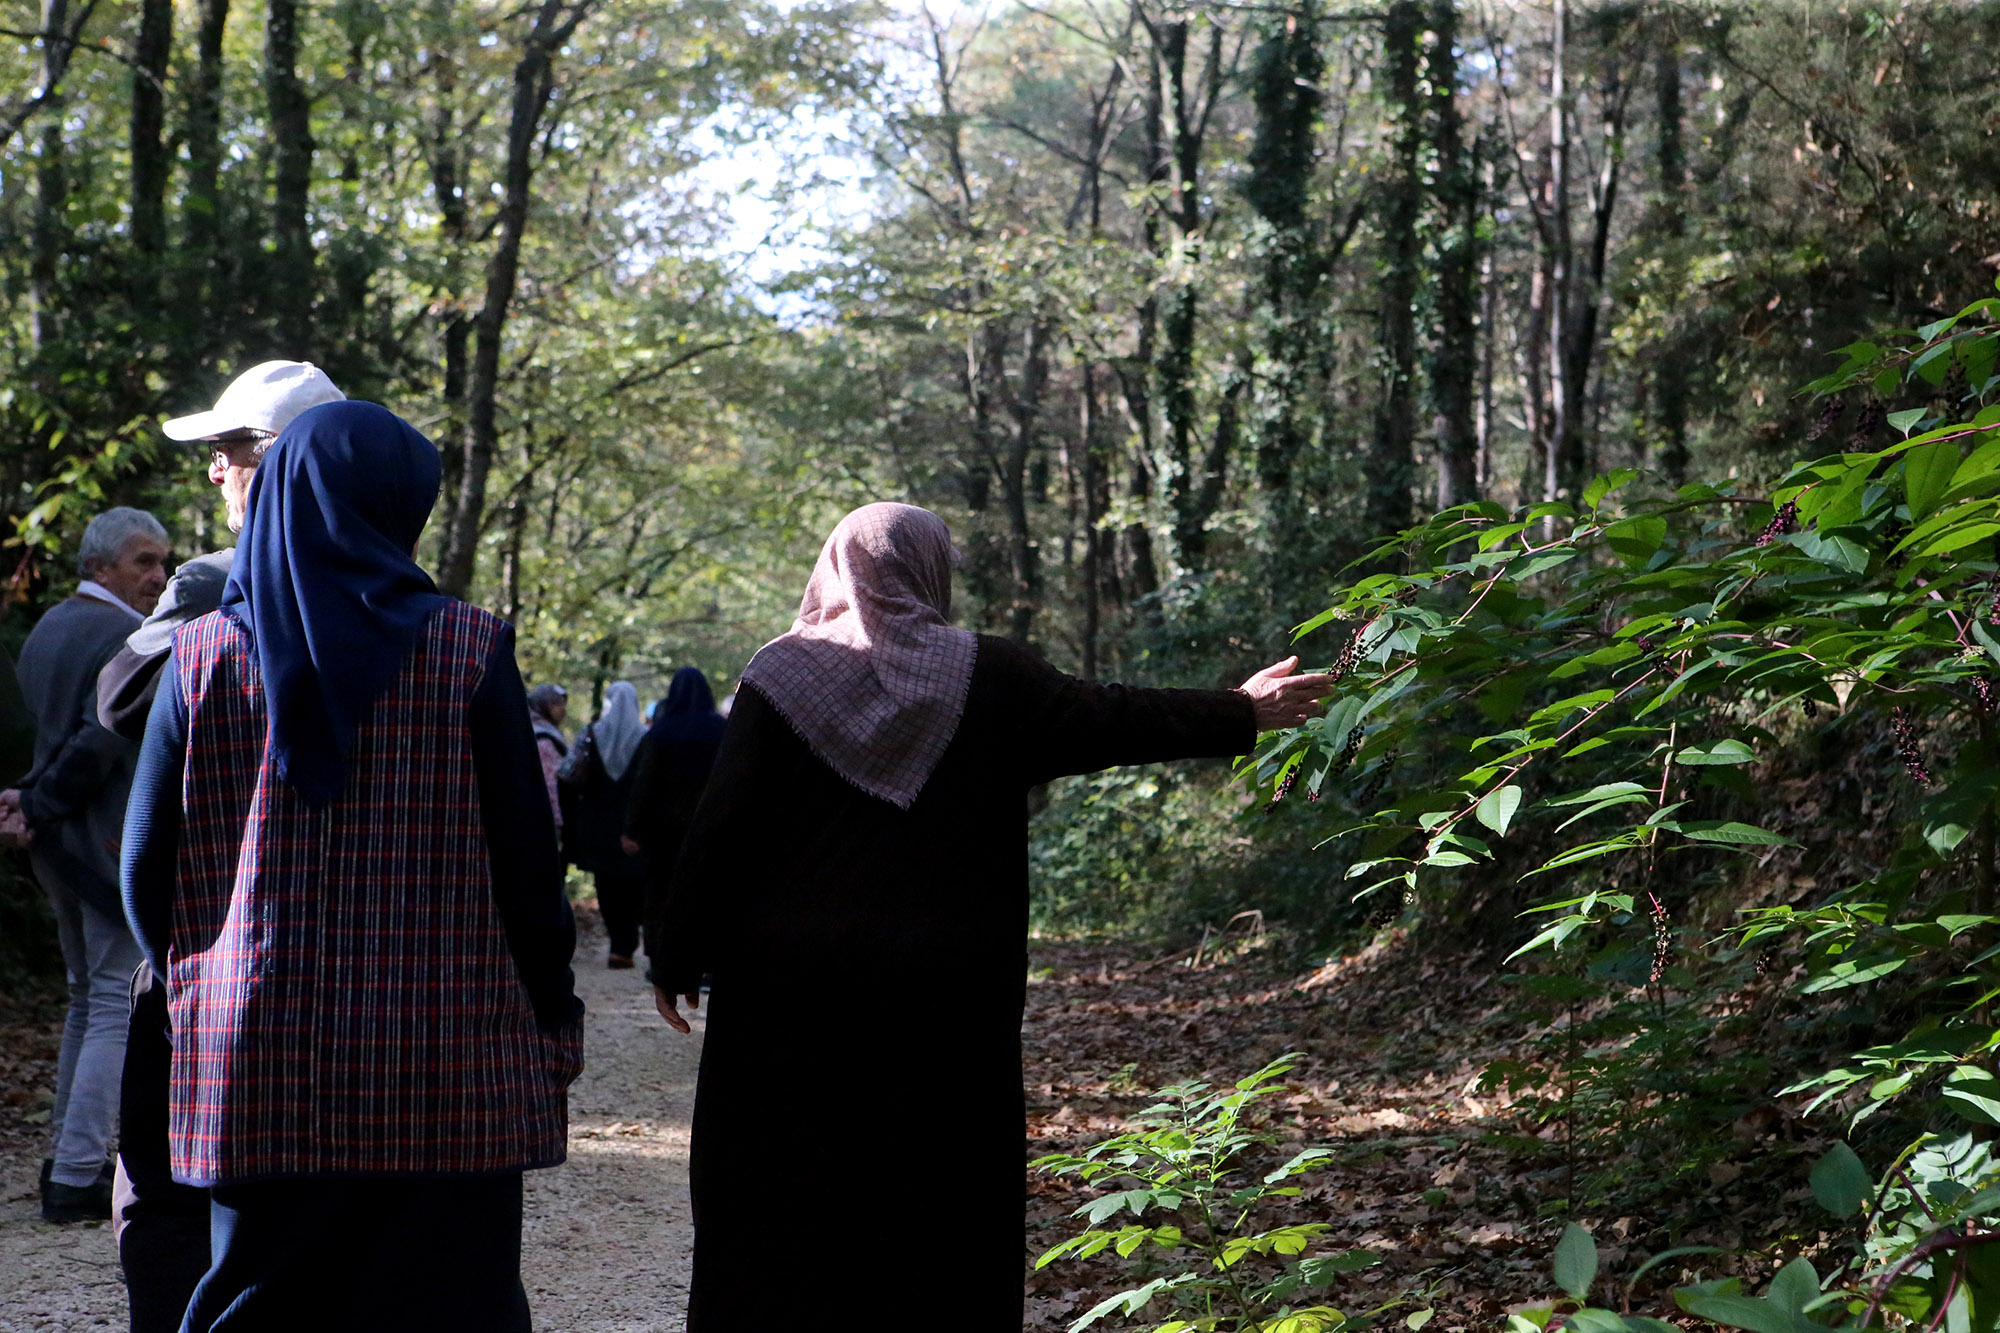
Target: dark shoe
{"x": 48, "y": 1167}
{"x": 618, "y": 960}
{"x": 77, "y": 1203}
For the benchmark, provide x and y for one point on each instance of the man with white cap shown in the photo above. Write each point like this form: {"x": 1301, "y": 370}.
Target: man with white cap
{"x": 163, "y": 1226}
{"x": 239, "y": 429}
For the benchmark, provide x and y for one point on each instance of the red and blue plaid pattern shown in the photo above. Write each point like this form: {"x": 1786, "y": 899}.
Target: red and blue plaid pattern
{"x": 343, "y": 997}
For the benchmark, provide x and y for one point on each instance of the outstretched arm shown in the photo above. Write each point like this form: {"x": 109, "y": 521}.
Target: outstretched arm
{"x": 1075, "y": 726}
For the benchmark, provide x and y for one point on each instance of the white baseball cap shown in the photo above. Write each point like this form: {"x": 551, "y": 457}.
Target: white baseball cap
{"x": 265, "y": 397}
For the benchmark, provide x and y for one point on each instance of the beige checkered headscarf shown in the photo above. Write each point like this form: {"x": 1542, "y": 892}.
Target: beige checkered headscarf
{"x": 871, "y": 675}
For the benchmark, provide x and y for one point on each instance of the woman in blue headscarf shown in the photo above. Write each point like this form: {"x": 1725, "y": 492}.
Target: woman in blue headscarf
{"x": 674, "y": 763}
{"x": 339, "y": 852}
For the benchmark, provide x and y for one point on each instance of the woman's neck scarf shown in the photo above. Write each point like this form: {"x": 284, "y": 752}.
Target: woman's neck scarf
{"x": 324, "y": 583}
{"x": 872, "y": 676}
{"x": 618, "y": 729}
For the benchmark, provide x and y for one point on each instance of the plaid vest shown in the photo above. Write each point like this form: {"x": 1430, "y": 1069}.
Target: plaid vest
{"x": 342, "y": 993}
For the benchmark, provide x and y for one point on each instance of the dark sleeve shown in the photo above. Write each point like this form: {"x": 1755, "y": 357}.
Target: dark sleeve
{"x": 1065, "y": 725}
{"x": 125, "y": 691}
{"x": 153, "y": 823}
{"x": 724, "y": 833}
{"x": 521, "y": 840}
{"x": 17, "y": 726}
{"x": 641, "y": 807}
{"x": 76, "y": 772}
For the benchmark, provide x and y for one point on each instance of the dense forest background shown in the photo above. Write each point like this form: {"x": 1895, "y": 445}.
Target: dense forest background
{"x": 1169, "y": 308}
{"x": 1175, "y": 311}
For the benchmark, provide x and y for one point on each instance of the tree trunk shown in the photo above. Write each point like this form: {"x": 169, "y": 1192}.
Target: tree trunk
{"x": 202, "y": 204}
{"x": 150, "y": 161}
{"x": 1556, "y": 298}
{"x": 448, "y": 163}
{"x": 534, "y": 81}
{"x": 1580, "y": 341}
{"x": 288, "y": 289}
{"x": 1285, "y": 89}
{"x": 1670, "y": 369}
{"x": 1093, "y": 487}
{"x": 1023, "y": 556}
{"x": 48, "y": 230}
{"x": 1389, "y": 470}
{"x": 1454, "y": 366}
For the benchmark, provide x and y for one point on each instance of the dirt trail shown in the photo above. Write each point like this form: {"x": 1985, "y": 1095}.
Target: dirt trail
{"x": 608, "y": 1234}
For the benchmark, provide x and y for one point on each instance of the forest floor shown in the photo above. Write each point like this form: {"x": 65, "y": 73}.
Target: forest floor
{"x": 1455, "y": 1189}
{"x": 1448, "y": 1185}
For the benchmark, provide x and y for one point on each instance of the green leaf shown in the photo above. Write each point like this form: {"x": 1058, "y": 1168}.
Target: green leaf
{"x": 1840, "y": 1182}
{"x": 1722, "y": 752}
{"x": 1972, "y": 1094}
{"x": 1634, "y": 540}
{"x": 1729, "y": 831}
{"x": 1753, "y": 1313}
{"x": 1906, "y": 421}
{"x": 1835, "y": 551}
{"x": 1496, "y": 808}
{"x": 1959, "y": 538}
{"x": 1795, "y": 1287}
{"x": 1576, "y": 1261}
{"x": 1593, "y": 494}
{"x": 1927, "y": 473}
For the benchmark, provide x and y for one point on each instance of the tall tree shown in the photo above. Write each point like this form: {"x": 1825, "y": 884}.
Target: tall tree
{"x": 1670, "y": 379}
{"x": 1390, "y": 467}
{"x": 534, "y": 82}
{"x": 288, "y": 288}
{"x": 50, "y": 231}
{"x": 1454, "y": 361}
{"x": 150, "y": 161}
{"x": 201, "y": 204}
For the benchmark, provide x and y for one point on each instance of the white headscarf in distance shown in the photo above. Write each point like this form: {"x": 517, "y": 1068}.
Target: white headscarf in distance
{"x": 872, "y": 676}
{"x": 618, "y": 729}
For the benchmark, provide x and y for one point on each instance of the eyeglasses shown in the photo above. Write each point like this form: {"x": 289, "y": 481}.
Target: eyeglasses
{"x": 225, "y": 445}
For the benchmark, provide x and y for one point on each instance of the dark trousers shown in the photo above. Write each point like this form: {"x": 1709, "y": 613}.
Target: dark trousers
{"x": 621, "y": 897}
{"x": 388, "y": 1254}
{"x": 162, "y": 1225}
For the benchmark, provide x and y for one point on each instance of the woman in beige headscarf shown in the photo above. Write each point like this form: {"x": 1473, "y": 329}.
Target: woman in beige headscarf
{"x": 864, "y": 840}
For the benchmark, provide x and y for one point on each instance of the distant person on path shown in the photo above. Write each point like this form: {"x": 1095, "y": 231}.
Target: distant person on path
{"x": 599, "y": 773}
{"x": 548, "y": 705}
{"x": 340, "y": 855}
{"x": 162, "y": 1225}
{"x": 864, "y": 836}
{"x": 673, "y": 767}
{"x": 72, "y": 807}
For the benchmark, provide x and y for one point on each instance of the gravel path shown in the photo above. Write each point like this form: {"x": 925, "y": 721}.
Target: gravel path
{"x": 608, "y": 1234}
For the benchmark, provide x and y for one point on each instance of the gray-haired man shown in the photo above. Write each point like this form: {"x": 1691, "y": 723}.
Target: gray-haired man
{"x": 73, "y": 801}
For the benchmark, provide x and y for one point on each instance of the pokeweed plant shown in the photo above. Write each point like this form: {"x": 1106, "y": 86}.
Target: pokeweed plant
{"x": 1572, "y": 695}
{"x": 1182, "y": 1176}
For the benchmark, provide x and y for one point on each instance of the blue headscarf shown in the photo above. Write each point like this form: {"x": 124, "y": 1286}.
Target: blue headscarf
{"x": 686, "y": 728}
{"x": 325, "y": 584}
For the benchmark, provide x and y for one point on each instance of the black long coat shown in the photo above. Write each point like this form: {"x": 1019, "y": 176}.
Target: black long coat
{"x": 858, "y": 1127}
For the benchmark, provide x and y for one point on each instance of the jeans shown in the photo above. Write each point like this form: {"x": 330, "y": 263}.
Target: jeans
{"x": 99, "y": 954}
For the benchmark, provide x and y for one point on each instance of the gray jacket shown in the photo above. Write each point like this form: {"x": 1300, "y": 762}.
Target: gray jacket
{"x": 74, "y": 797}
{"x": 126, "y": 686}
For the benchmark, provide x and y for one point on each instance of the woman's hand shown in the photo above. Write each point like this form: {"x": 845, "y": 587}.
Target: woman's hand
{"x": 671, "y": 1012}
{"x": 1282, "y": 699}
{"x": 627, "y": 845}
